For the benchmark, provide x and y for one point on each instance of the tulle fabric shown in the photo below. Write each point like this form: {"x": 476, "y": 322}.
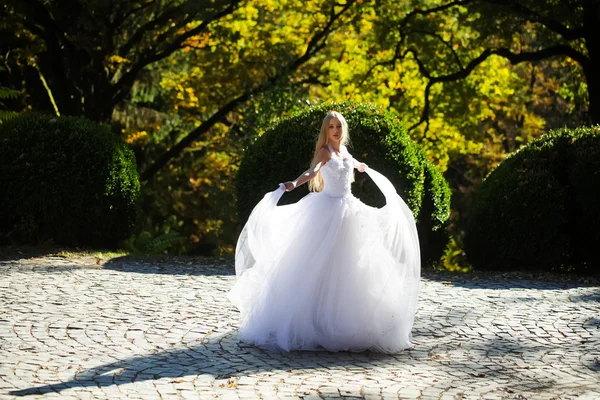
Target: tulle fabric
{"x": 328, "y": 272}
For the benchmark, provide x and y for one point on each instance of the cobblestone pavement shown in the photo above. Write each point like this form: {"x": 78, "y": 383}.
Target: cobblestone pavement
{"x": 164, "y": 329}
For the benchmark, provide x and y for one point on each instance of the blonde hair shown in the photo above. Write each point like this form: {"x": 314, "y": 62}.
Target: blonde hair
{"x": 316, "y": 183}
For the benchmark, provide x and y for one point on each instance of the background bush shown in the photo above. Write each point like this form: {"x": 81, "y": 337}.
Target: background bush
{"x": 539, "y": 208}
{"x": 65, "y": 179}
{"x": 378, "y": 139}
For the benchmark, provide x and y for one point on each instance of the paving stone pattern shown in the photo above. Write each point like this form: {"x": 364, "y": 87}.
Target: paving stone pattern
{"x": 70, "y": 328}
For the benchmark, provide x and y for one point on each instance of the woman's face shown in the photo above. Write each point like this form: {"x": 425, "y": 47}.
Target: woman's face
{"x": 334, "y": 130}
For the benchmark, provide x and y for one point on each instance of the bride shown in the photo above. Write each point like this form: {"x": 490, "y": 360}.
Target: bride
{"x": 328, "y": 272}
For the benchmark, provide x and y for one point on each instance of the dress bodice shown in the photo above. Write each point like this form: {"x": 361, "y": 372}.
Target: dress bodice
{"x": 337, "y": 175}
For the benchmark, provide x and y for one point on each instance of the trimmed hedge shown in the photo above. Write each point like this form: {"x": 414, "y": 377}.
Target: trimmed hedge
{"x": 539, "y": 208}
{"x": 376, "y": 138}
{"x": 65, "y": 179}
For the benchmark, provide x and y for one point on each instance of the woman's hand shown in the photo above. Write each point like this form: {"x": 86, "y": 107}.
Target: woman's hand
{"x": 289, "y": 186}
{"x": 362, "y": 167}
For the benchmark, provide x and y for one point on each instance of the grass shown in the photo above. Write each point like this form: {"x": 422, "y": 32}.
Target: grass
{"x": 28, "y": 251}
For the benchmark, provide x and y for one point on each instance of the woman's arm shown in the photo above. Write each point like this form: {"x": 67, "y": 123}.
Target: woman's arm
{"x": 320, "y": 160}
{"x": 357, "y": 164}
{"x": 360, "y": 166}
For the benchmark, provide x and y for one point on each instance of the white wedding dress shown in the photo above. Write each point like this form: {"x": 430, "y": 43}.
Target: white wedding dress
{"x": 328, "y": 272}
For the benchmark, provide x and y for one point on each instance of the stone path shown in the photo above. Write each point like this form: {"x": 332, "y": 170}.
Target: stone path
{"x": 141, "y": 329}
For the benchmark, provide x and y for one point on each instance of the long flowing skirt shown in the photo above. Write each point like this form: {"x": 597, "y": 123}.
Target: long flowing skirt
{"x": 328, "y": 272}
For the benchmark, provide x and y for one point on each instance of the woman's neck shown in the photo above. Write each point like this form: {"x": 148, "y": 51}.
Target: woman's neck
{"x": 335, "y": 145}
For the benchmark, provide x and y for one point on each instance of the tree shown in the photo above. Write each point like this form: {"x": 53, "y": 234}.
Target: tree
{"x": 271, "y": 50}
{"x": 466, "y": 123}
{"x": 315, "y": 23}
{"x": 519, "y": 31}
{"x": 91, "y": 52}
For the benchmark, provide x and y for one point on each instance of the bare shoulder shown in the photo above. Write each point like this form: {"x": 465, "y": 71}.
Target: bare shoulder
{"x": 323, "y": 155}
{"x": 324, "y": 151}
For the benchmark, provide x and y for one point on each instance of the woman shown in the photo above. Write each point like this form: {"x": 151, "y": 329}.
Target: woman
{"x": 328, "y": 271}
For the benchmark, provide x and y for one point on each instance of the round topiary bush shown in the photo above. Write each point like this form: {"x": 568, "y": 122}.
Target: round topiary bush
{"x": 539, "y": 208}
{"x": 65, "y": 179}
{"x": 377, "y": 138}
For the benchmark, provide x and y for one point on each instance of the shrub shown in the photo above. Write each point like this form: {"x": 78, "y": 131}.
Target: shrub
{"x": 65, "y": 179}
{"x": 584, "y": 177}
{"x": 538, "y": 209}
{"x": 376, "y": 138}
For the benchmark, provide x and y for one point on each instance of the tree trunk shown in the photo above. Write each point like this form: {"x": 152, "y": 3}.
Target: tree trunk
{"x": 594, "y": 98}
{"x": 97, "y": 104}
{"x": 82, "y": 89}
{"x": 592, "y": 72}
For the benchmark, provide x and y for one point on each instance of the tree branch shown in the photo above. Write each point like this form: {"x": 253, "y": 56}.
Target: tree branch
{"x": 54, "y": 47}
{"x": 40, "y": 16}
{"x": 425, "y": 113}
{"x": 422, "y": 69}
{"x": 121, "y": 17}
{"x": 464, "y": 71}
{"x": 556, "y": 50}
{"x": 120, "y": 88}
{"x": 513, "y": 58}
{"x": 311, "y": 80}
{"x": 533, "y": 16}
{"x": 444, "y": 42}
{"x": 313, "y": 45}
{"x": 172, "y": 31}
{"x": 396, "y": 57}
{"x": 443, "y": 7}
{"x": 158, "y": 21}
{"x": 192, "y": 136}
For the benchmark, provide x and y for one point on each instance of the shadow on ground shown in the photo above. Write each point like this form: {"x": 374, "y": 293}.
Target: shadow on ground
{"x": 513, "y": 280}
{"x": 171, "y": 266}
{"x": 223, "y": 357}
{"x": 8, "y": 253}
{"x": 49, "y": 261}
